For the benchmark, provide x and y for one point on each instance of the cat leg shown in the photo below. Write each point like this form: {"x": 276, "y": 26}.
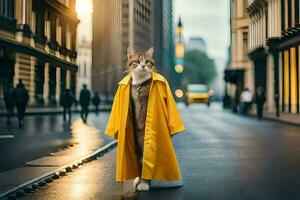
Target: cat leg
{"x": 144, "y": 185}
{"x": 136, "y": 182}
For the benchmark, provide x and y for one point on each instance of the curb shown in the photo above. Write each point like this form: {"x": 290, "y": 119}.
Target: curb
{"x": 44, "y": 179}
{"x": 274, "y": 119}
{"x": 281, "y": 121}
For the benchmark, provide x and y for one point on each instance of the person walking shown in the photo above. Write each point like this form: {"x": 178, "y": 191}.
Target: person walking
{"x": 96, "y": 101}
{"x": 246, "y": 100}
{"x": 9, "y": 99}
{"x": 260, "y": 101}
{"x": 21, "y": 99}
{"x": 84, "y": 101}
{"x": 67, "y": 102}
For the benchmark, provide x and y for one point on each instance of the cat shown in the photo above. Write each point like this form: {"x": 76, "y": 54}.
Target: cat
{"x": 140, "y": 67}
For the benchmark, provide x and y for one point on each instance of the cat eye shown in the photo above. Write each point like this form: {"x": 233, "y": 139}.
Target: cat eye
{"x": 136, "y": 62}
{"x": 148, "y": 61}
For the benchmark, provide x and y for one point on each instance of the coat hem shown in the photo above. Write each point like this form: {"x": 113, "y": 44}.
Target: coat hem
{"x": 152, "y": 179}
{"x": 177, "y": 130}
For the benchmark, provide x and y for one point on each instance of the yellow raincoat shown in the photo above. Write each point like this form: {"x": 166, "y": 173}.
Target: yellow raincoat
{"x": 162, "y": 122}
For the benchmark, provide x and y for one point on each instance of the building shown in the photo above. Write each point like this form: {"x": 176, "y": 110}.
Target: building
{"x": 164, "y": 49}
{"x": 274, "y": 49}
{"x": 37, "y": 45}
{"x": 239, "y": 72}
{"x": 84, "y": 62}
{"x": 118, "y": 24}
{"x": 196, "y": 43}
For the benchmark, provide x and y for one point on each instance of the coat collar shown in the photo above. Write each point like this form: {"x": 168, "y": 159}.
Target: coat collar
{"x": 155, "y": 77}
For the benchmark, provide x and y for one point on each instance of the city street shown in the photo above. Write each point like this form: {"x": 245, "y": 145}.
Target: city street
{"x": 231, "y": 67}
{"x": 221, "y": 156}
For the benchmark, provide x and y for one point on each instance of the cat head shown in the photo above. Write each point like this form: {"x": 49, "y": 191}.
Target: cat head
{"x": 140, "y": 63}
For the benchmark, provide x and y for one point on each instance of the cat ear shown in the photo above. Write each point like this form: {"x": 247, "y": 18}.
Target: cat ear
{"x": 130, "y": 52}
{"x": 150, "y": 51}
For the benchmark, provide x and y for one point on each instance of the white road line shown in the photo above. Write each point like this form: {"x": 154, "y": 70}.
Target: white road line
{"x": 6, "y": 136}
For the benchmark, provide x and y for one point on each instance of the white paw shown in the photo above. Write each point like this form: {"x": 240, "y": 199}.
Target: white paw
{"x": 143, "y": 186}
{"x": 136, "y": 181}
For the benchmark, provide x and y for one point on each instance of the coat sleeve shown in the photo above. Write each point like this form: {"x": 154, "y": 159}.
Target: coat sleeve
{"x": 114, "y": 118}
{"x": 174, "y": 120}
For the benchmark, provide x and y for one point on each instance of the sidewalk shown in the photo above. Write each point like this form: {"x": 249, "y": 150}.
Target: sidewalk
{"x": 87, "y": 142}
{"x": 287, "y": 118}
{"x": 292, "y": 119}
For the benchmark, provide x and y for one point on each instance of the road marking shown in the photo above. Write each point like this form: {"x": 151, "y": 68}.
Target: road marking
{"x": 6, "y": 136}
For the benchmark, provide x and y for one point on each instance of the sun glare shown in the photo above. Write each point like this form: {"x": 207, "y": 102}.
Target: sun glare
{"x": 84, "y": 6}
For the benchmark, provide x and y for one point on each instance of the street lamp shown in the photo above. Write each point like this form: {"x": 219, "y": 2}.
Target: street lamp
{"x": 179, "y": 93}
{"x": 179, "y": 53}
{"x": 179, "y": 68}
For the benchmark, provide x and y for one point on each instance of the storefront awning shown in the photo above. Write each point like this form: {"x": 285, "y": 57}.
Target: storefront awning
{"x": 43, "y": 56}
{"x": 233, "y": 75}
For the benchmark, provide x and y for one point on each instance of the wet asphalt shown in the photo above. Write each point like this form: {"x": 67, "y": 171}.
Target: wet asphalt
{"x": 221, "y": 156}
{"x": 40, "y": 136}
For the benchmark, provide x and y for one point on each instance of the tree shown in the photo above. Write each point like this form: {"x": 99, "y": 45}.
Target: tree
{"x": 199, "y": 68}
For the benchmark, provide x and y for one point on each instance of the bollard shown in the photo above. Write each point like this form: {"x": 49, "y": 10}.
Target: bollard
{"x": 62, "y": 172}
{"x": 49, "y": 180}
{"x": 27, "y": 190}
{"x": 35, "y": 186}
{"x": 69, "y": 169}
{"x": 55, "y": 176}
{"x": 42, "y": 183}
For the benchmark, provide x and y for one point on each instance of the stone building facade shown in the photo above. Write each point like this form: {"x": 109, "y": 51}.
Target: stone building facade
{"x": 38, "y": 46}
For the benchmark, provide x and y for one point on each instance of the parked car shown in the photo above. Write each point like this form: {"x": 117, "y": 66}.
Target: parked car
{"x": 198, "y": 93}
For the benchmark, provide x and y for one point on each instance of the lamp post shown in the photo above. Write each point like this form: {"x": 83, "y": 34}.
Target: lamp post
{"x": 179, "y": 60}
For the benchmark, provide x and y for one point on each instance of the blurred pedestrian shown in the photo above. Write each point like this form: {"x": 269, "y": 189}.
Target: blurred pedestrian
{"x": 84, "y": 101}
{"x": 96, "y": 101}
{"x": 9, "y": 99}
{"x": 246, "y": 100}
{"x": 67, "y": 102}
{"x": 21, "y": 99}
{"x": 260, "y": 101}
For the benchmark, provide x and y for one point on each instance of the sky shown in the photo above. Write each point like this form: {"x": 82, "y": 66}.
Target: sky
{"x": 84, "y": 9}
{"x": 208, "y": 19}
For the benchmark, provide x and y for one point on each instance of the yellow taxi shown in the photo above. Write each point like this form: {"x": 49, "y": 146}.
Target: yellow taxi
{"x": 197, "y": 93}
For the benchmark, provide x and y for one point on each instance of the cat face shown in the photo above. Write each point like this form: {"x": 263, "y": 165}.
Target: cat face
{"x": 140, "y": 63}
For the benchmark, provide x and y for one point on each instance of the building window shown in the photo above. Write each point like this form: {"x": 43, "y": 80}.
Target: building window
{"x": 289, "y": 13}
{"x": 296, "y": 11}
{"x": 23, "y": 11}
{"x": 84, "y": 69}
{"x": 68, "y": 36}
{"x": 245, "y": 45}
{"x": 58, "y": 31}
{"x": 64, "y": 2}
{"x": 245, "y": 5}
{"x": 6, "y": 8}
{"x": 283, "y": 15}
{"x": 33, "y": 22}
{"x": 285, "y": 81}
{"x": 47, "y": 25}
